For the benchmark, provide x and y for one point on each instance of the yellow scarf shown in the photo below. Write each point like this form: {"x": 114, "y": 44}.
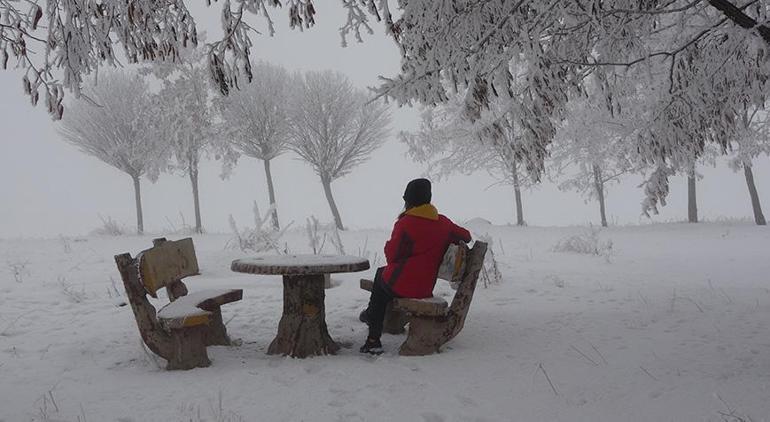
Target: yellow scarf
{"x": 424, "y": 211}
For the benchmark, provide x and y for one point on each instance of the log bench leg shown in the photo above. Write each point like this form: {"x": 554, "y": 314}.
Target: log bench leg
{"x": 217, "y": 333}
{"x": 302, "y": 331}
{"x": 426, "y": 335}
{"x": 189, "y": 348}
{"x": 395, "y": 320}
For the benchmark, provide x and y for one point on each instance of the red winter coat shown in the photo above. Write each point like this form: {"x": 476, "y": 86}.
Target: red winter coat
{"x": 415, "y": 249}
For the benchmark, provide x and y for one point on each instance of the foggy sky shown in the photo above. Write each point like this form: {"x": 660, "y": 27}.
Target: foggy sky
{"x": 48, "y": 187}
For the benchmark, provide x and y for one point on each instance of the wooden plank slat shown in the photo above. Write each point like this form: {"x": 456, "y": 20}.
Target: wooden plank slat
{"x": 367, "y": 284}
{"x": 166, "y": 263}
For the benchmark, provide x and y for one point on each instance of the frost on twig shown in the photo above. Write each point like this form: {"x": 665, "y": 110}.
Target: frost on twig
{"x": 336, "y": 240}
{"x": 490, "y": 272}
{"x": 261, "y": 237}
{"x": 318, "y": 234}
{"x": 18, "y": 269}
{"x": 587, "y": 242}
{"x": 109, "y": 227}
{"x": 316, "y": 242}
{"x": 72, "y": 293}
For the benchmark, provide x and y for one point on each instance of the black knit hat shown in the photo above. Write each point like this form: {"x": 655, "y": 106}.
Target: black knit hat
{"x": 417, "y": 192}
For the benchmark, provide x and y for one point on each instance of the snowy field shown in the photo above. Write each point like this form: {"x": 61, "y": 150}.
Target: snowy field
{"x": 671, "y": 324}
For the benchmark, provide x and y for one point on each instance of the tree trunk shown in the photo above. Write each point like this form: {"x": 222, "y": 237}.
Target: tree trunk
{"x": 196, "y": 200}
{"x": 599, "y": 186}
{"x": 517, "y": 195}
{"x": 692, "y": 203}
{"x": 271, "y": 193}
{"x": 138, "y": 200}
{"x": 759, "y": 218}
{"x": 329, "y": 197}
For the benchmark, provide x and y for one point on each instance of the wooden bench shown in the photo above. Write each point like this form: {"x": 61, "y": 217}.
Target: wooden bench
{"x": 180, "y": 331}
{"x": 433, "y": 322}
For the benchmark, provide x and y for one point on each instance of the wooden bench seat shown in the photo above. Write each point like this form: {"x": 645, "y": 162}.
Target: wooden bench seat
{"x": 180, "y": 331}
{"x": 196, "y": 308}
{"x": 431, "y": 306}
{"x": 433, "y": 322}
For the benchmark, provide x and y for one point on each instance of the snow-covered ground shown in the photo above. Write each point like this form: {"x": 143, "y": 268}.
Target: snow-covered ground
{"x": 672, "y": 325}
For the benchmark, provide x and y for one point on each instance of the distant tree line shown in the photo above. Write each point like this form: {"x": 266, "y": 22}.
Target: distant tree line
{"x": 320, "y": 116}
{"x": 334, "y": 127}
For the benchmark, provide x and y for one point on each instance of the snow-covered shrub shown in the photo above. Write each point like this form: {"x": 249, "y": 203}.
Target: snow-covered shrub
{"x": 318, "y": 233}
{"x": 72, "y": 294}
{"x": 216, "y": 412}
{"x": 47, "y": 409}
{"x": 587, "y": 242}
{"x": 182, "y": 229}
{"x": 65, "y": 244}
{"x": 336, "y": 240}
{"x": 490, "y": 272}
{"x": 556, "y": 280}
{"x": 109, "y": 227}
{"x": 18, "y": 269}
{"x": 261, "y": 237}
{"x": 374, "y": 257}
{"x": 115, "y": 295}
{"x": 315, "y": 240}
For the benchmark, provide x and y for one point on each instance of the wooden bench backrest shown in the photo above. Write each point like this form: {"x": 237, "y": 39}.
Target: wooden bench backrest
{"x": 166, "y": 263}
{"x": 452, "y": 267}
{"x": 461, "y": 302}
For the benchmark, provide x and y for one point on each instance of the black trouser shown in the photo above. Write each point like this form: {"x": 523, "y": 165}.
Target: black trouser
{"x": 378, "y": 301}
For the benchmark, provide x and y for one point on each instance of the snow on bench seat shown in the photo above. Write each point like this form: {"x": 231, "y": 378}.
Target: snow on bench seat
{"x": 429, "y": 306}
{"x": 195, "y": 308}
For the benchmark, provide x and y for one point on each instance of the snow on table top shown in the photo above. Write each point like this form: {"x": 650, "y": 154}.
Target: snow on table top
{"x": 300, "y": 264}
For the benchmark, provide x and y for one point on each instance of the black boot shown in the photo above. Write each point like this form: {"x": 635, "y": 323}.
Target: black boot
{"x": 372, "y": 346}
{"x": 364, "y": 316}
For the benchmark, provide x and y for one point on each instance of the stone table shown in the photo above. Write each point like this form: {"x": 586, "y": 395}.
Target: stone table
{"x": 302, "y": 331}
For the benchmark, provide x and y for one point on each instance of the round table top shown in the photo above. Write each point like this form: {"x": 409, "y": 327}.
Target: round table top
{"x": 300, "y": 264}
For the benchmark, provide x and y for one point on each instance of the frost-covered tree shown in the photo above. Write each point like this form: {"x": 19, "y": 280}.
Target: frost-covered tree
{"x": 591, "y": 150}
{"x": 255, "y": 123}
{"x": 448, "y": 142}
{"x": 753, "y": 141}
{"x": 184, "y": 118}
{"x": 334, "y": 127}
{"x": 115, "y": 125}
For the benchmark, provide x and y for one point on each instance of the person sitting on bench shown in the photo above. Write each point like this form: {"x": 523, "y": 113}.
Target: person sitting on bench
{"x": 413, "y": 254}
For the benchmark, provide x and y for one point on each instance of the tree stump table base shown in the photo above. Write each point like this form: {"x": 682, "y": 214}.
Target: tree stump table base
{"x": 302, "y": 331}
